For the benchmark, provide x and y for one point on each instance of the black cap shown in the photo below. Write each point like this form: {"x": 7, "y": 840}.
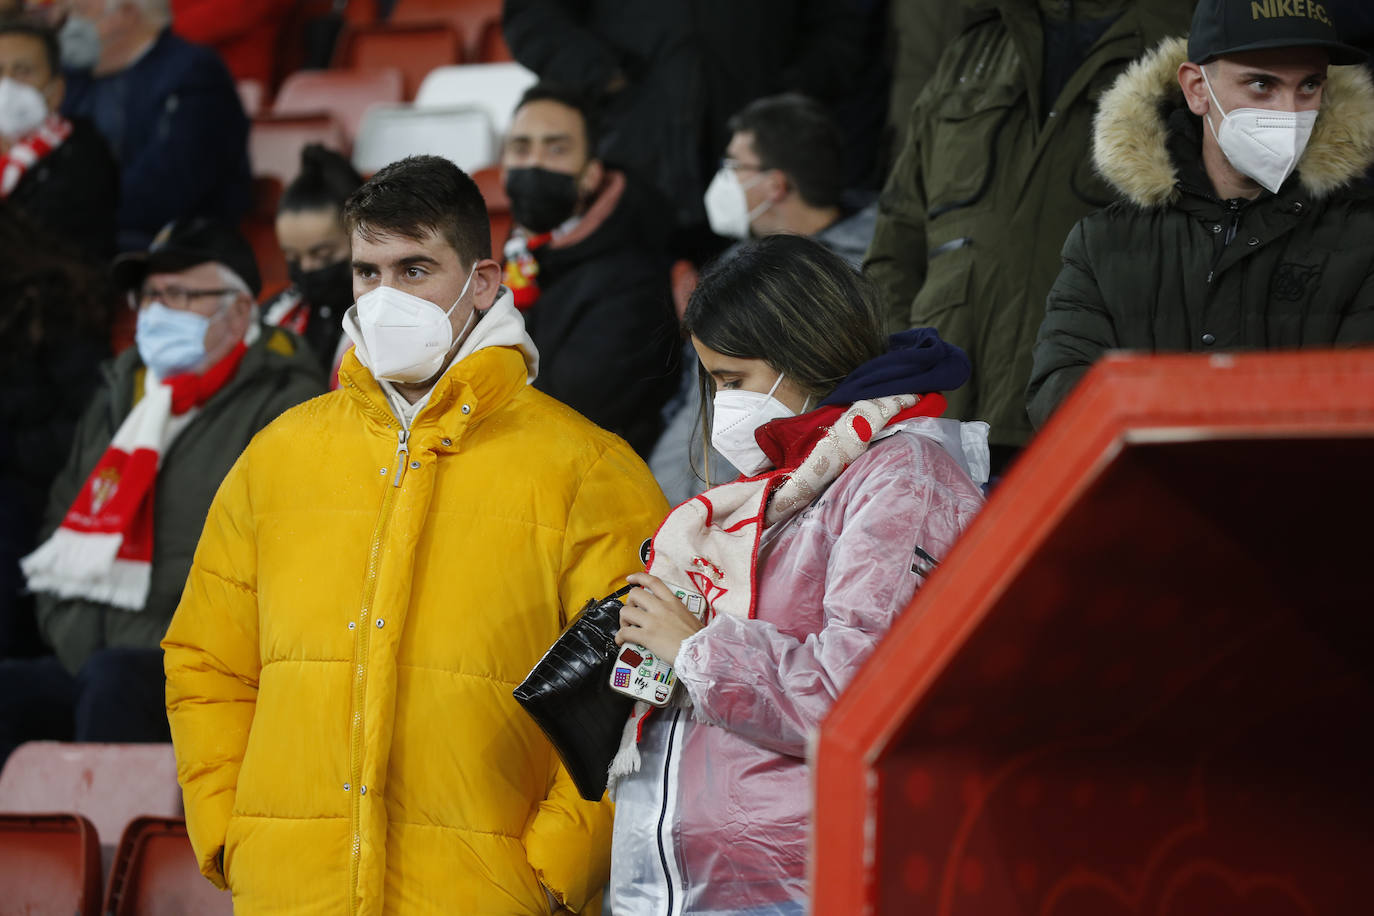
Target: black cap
{"x": 185, "y": 243}
{"x": 1228, "y": 26}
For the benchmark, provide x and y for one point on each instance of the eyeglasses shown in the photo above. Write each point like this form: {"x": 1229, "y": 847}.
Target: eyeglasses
{"x": 175, "y": 297}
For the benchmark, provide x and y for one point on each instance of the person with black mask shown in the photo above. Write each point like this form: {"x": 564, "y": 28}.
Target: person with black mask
{"x": 587, "y": 264}
{"x": 315, "y": 245}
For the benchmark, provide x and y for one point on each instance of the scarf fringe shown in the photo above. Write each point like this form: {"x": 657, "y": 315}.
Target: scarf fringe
{"x": 84, "y": 565}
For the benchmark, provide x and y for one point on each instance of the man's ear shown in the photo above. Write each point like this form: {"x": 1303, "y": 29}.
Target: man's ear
{"x": 593, "y": 173}
{"x": 486, "y": 284}
{"x": 54, "y": 92}
{"x": 1194, "y": 88}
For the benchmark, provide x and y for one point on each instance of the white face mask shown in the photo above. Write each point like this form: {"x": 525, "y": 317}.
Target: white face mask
{"x": 22, "y": 108}
{"x": 407, "y": 338}
{"x": 738, "y": 414}
{"x": 79, "y": 39}
{"x": 727, "y": 208}
{"x": 1262, "y": 144}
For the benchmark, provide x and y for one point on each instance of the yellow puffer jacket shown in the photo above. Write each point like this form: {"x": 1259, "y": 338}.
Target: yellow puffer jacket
{"x": 339, "y": 670}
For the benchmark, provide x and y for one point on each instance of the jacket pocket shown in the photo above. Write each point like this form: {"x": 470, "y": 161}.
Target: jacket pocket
{"x": 946, "y": 291}
{"x": 962, "y": 158}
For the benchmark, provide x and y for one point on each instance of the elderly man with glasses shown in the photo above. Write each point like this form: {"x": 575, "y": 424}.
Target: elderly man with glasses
{"x": 124, "y": 515}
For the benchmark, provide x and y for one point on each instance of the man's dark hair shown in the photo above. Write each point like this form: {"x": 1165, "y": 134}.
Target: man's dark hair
{"x": 798, "y": 136}
{"x": 419, "y": 195}
{"x": 563, "y": 95}
{"x": 40, "y": 33}
{"x": 326, "y": 181}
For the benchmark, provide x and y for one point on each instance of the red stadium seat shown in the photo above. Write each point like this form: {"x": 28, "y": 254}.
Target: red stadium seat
{"x": 362, "y": 12}
{"x": 155, "y": 874}
{"x": 345, "y": 94}
{"x": 469, "y": 18}
{"x": 498, "y": 206}
{"x": 275, "y": 142}
{"x": 414, "y": 49}
{"x": 110, "y": 784}
{"x": 491, "y": 45}
{"x": 49, "y": 863}
{"x": 259, "y": 227}
{"x": 252, "y": 94}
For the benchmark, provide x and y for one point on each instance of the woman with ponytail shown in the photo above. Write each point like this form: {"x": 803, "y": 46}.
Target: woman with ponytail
{"x": 315, "y": 244}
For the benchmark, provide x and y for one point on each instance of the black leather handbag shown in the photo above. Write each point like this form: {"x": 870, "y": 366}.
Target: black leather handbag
{"x": 568, "y": 693}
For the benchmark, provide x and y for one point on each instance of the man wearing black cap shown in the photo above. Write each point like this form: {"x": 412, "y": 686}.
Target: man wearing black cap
{"x": 1245, "y": 224}
{"x": 125, "y": 513}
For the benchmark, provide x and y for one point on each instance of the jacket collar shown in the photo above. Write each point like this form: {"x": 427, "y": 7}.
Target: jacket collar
{"x": 1131, "y": 131}
{"x": 495, "y": 362}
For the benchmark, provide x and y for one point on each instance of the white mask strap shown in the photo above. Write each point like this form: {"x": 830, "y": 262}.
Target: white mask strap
{"x": 1207, "y": 117}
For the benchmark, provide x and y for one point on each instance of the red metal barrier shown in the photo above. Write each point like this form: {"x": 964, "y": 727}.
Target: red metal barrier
{"x": 1141, "y": 682}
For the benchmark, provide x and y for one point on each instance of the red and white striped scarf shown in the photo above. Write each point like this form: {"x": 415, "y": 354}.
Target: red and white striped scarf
{"x": 103, "y": 550}
{"x": 28, "y": 151}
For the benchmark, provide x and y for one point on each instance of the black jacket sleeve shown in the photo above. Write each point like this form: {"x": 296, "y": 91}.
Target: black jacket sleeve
{"x": 1076, "y": 331}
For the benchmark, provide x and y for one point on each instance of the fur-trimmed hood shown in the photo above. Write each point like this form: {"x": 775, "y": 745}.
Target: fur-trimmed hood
{"x": 1130, "y": 131}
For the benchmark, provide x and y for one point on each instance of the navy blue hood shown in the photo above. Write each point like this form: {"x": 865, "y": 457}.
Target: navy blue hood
{"x": 916, "y": 362}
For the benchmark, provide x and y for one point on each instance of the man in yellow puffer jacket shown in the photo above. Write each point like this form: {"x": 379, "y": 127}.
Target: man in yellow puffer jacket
{"x": 378, "y": 571}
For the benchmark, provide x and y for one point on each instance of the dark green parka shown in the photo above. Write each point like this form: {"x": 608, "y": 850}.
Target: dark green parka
{"x": 276, "y": 373}
{"x": 991, "y": 179}
{"x": 1174, "y": 268}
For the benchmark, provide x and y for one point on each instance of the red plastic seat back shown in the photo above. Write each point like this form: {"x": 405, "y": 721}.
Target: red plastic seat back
{"x": 49, "y": 863}
{"x": 345, "y": 94}
{"x": 498, "y": 206}
{"x": 275, "y": 142}
{"x": 155, "y": 874}
{"x": 414, "y": 49}
{"x": 469, "y": 18}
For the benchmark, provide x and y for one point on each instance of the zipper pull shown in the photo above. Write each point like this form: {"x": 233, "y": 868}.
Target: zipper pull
{"x": 402, "y": 453}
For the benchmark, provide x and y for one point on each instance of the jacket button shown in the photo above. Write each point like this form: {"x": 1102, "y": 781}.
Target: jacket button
{"x": 1216, "y": 227}
{"x": 446, "y": 441}
{"x": 363, "y": 790}
{"x": 1208, "y": 339}
{"x": 414, "y": 465}
{"x": 380, "y": 623}
{"x": 1297, "y": 206}
{"x": 467, "y": 408}
{"x": 382, "y": 471}
{"x": 351, "y": 625}
{"x": 346, "y": 787}
{"x": 1253, "y": 241}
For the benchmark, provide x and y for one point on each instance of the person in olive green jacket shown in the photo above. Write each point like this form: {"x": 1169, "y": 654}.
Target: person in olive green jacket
{"x": 220, "y": 377}
{"x": 993, "y": 174}
{"x": 1237, "y": 231}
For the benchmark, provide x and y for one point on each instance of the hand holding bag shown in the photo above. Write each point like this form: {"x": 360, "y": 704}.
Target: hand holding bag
{"x": 567, "y": 693}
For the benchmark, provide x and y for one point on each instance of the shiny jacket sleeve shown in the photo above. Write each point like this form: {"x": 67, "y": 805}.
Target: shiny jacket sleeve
{"x": 617, "y": 506}
{"x": 212, "y": 661}
{"x": 773, "y": 688}
{"x": 896, "y": 259}
{"x": 1076, "y": 330}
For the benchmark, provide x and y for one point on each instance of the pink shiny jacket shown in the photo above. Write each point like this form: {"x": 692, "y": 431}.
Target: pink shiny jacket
{"x": 717, "y": 818}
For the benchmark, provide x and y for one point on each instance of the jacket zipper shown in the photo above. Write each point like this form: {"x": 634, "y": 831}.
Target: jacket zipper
{"x": 668, "y": 784}
{"x": 1234, "y": 206}
{"x": 361, "y": 650}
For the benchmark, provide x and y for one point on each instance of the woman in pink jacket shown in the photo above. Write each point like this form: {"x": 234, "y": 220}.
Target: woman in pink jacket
{"x": 852, "y": 491}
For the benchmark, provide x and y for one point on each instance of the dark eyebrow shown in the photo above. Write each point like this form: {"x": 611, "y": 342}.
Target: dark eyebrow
{"x": 721, "y": 373}
{"x": 417, "y": 259}
{"x": 363, "y": 265}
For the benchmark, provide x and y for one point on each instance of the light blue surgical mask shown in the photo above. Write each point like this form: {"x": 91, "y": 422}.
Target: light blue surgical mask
{"x": 170, "y": 340}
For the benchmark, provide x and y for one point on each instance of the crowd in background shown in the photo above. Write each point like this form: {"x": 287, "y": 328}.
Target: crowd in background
{"x": 1039, "y": 181}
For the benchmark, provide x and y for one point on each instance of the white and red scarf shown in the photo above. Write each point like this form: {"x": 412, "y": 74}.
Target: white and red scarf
{"x": 710, "y": 543}
{"x": 103, "y": 550}
{"x": 26, "y": 152}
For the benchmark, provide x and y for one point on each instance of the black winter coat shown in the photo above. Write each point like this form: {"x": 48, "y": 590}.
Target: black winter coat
{"x": 690, "y": 65}
{"x": 604, "y": 323}
{"x": 73, "y": 192}
{"x": 1174, "y": 268}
